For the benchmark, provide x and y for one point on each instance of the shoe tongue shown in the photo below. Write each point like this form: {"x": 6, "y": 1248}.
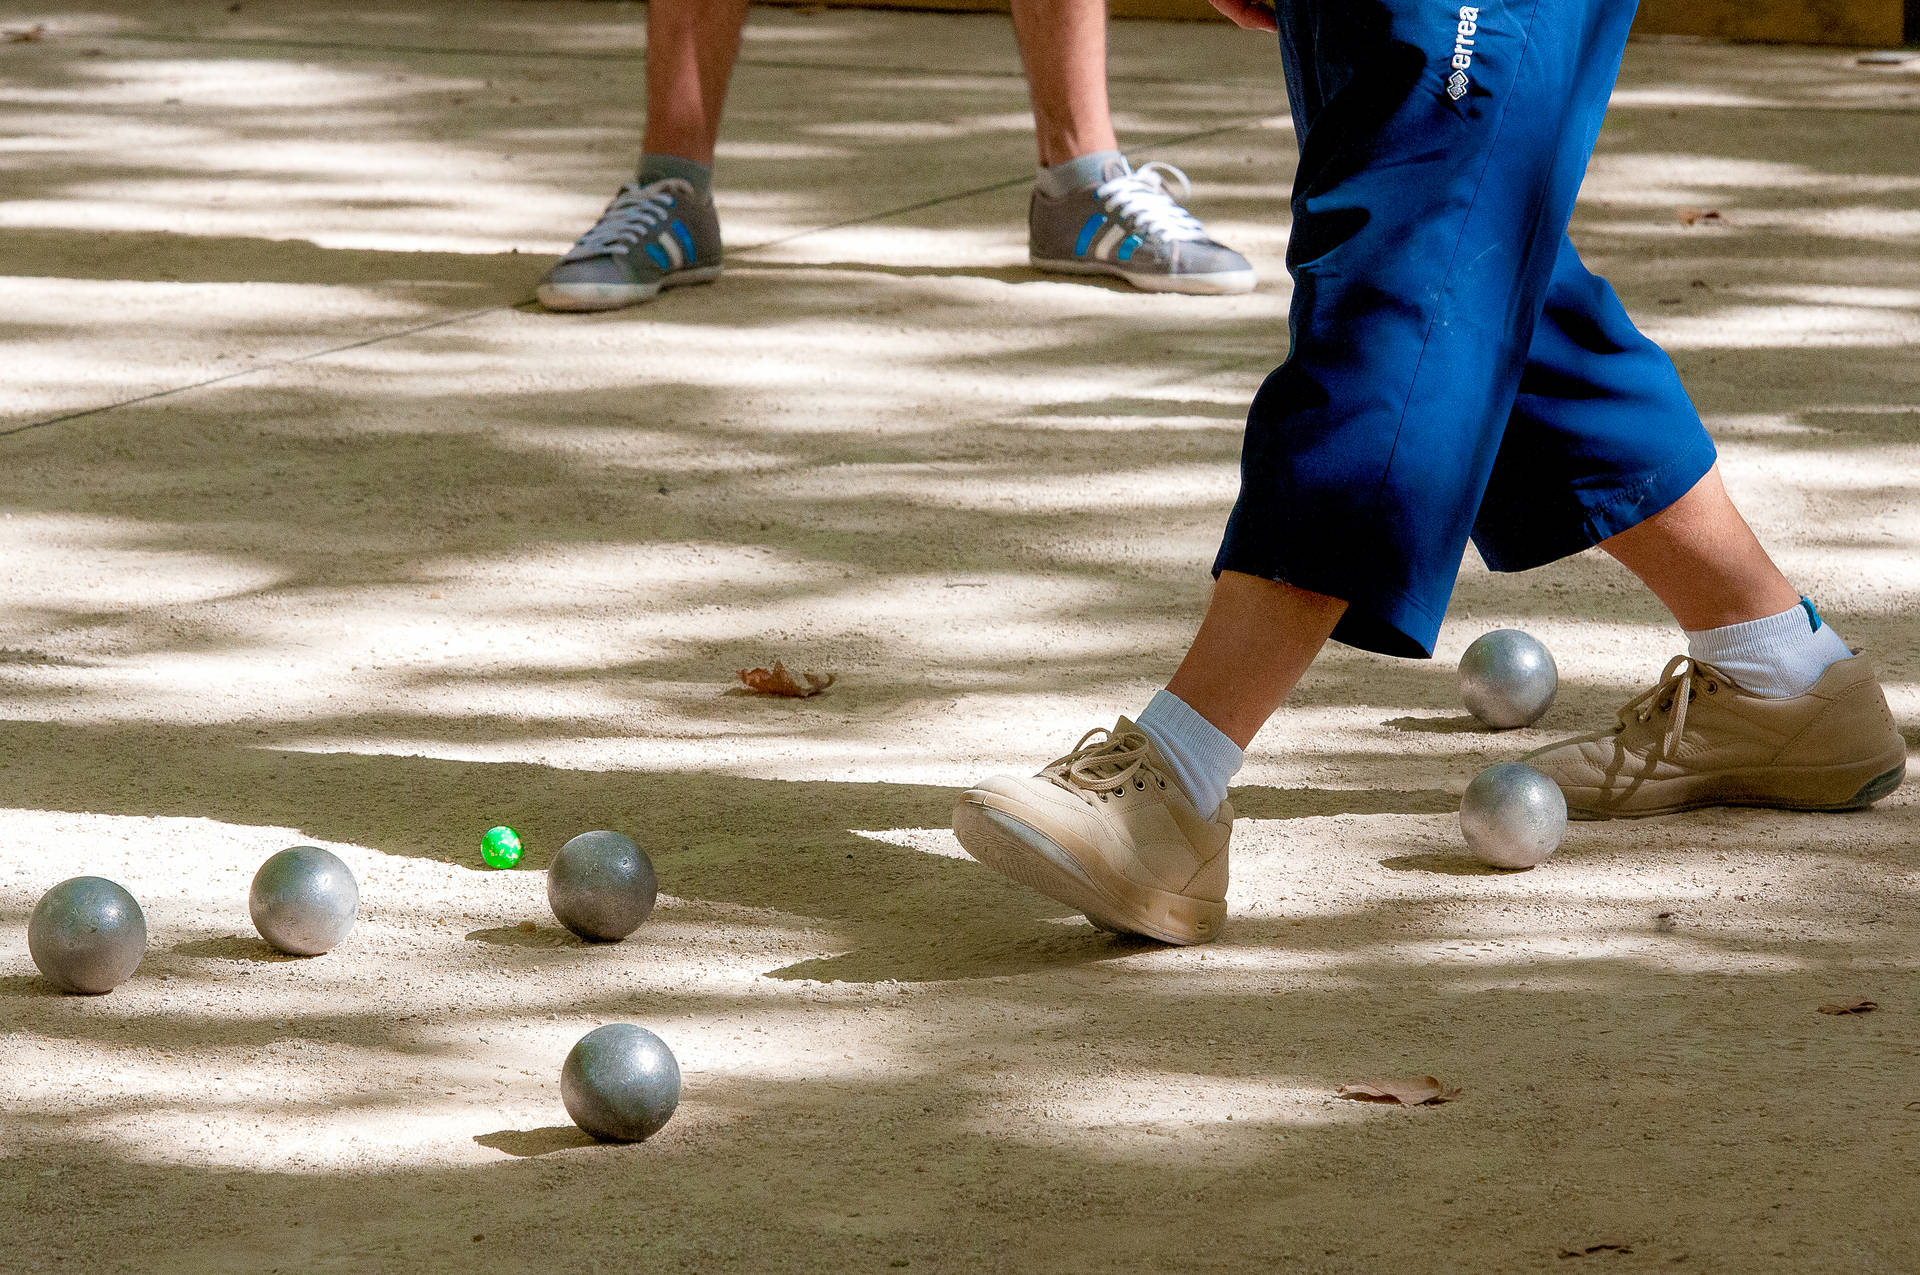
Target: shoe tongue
{"x": 1126, "y": 726}
{"x": 1116, "y": 167}
{"x": 1104, "y": 764}
{"x": 1711, "y": 673}
{"x": 1714, "y": 672}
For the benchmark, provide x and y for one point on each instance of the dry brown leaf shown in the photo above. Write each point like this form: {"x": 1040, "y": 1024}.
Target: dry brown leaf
{"x": 1412, "y": 1092}
{"x": 1859, "y": 1005}
{"x": 1690, "y": 216}
{"x": 781, "y": 680}
{"x": 32, "y": 35}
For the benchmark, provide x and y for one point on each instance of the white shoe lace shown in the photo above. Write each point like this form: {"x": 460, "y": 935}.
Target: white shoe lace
{"x": 1106, "y": 764}
{"x": 631, "y": 217}
{"x": 1140, "y": 199}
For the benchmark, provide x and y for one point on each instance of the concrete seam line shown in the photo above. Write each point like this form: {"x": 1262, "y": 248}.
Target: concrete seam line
{"x": 474, "y": 314}
{"x": 990, "y": 187}
{"x": 268, "y": 366}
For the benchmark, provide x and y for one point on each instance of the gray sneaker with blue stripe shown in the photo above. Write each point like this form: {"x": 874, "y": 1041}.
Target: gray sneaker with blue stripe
{"x": 656, "y": 236}
{"x": 1127, "y": 225}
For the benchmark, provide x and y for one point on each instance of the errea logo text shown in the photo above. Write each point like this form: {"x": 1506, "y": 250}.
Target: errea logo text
{"x": 1467, "y": 28}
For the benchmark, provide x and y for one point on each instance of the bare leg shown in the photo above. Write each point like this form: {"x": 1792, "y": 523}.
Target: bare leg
{"x": 1063, "y": 45}
{"x": 691, "y": 48}
{"x": 1698, "y": 556}
{"x": 1703, "y": 562}
{"x": 1258, "y": 637}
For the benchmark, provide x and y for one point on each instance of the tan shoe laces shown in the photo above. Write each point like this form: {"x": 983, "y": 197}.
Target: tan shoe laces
{"x": 1671, "y": 694}
{"x": 1105, "y": 764}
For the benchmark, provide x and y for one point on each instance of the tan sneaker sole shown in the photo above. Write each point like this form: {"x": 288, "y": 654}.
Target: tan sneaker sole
{"x": 1809, "y": 788}
{"x": 1022, "y": 853}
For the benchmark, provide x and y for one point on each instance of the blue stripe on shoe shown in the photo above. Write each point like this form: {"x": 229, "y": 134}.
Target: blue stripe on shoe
{"x": 1087, "y": 232}
{"x": 1127, "y": 246}
{"x": 679, "y": 229}
{"x": 659, "y": 256}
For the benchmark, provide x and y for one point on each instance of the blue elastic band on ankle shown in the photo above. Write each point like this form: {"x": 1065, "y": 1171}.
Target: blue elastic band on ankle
{"x": 1813, "y": 616}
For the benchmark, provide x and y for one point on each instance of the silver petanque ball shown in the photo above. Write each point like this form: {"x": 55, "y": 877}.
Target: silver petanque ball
{"x": 620, "y": 1083}
{"x": 87, "y": 935}
{"x": 304, "y": 900}
{"x": 1508, "y": 678}
{"x": 1513, "y": 816}
{"x": 601, "y": 886}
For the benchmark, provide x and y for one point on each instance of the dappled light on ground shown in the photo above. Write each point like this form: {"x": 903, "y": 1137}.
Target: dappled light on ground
{"x": 414, "y": 559}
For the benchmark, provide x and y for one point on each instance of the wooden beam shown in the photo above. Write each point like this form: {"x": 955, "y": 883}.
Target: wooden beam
{"x": 1857, "y": 22}
{"x": 1877, "y": 23}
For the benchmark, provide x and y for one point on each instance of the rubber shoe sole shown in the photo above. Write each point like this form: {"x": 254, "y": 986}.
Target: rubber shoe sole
{"x": 1022, "y": 853}
{"x": 1219, "y": 283}
{"x": 1730, "y": 794}
{"x": 578, "y": 297}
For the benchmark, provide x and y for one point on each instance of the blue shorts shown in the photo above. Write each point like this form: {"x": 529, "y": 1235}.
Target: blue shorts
{"x": 1455, "y": 371}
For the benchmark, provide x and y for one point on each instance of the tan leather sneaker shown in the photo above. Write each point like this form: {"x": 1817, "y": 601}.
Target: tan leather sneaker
{"x": 1107, "y": 831}
{"x": 1696, "y": 739}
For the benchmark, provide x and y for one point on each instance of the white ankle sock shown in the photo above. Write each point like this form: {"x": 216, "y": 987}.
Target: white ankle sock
{"x": 1776, "y": 656}
{"x": 1202, "y": 758}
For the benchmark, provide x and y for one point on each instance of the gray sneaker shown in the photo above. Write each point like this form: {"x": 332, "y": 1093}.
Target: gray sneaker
{"x": 1129, "y": 226}
{"x": 656, "y": 236}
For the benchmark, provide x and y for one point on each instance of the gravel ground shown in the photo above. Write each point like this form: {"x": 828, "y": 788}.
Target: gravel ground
{"x": 315, "y": 531}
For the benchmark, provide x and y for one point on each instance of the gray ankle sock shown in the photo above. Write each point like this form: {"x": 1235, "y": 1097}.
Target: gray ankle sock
{"x": 1077, "y": 173}
{"x": 654, "y": 168}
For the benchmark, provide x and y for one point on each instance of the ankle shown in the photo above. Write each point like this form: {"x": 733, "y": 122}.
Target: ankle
{"x": 1059, "y": 180}
{"x": 658, "y": 167}
{"x": 1201, "y": 758}
{"x": 1776, "y": 656}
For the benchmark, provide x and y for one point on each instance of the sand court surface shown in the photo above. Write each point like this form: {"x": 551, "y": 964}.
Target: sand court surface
{"x": 317, "y": 530}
